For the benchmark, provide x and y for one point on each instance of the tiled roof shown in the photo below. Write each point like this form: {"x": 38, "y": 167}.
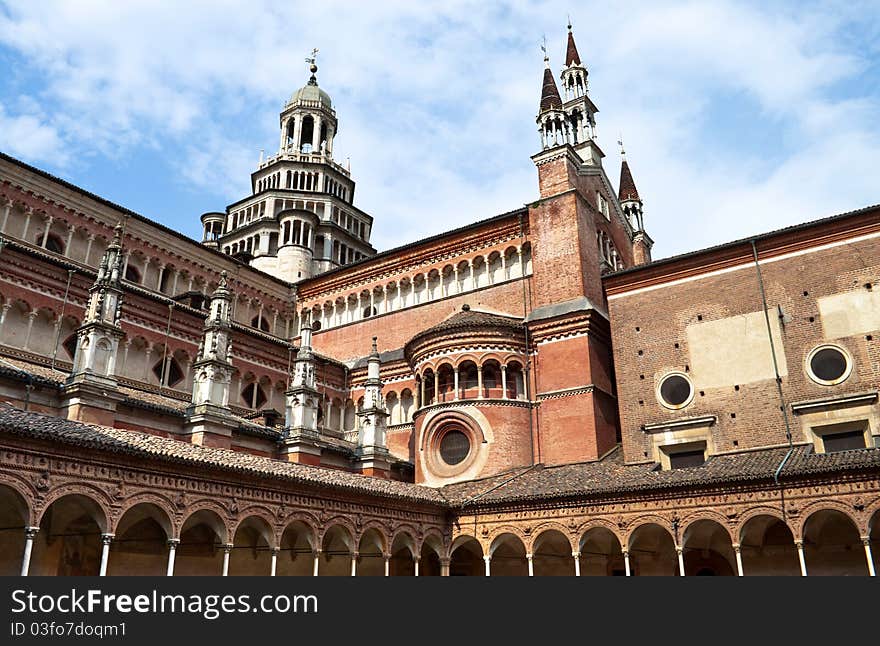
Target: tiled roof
{"x": 550, "y": 93}
{"x": 469, "y": 319}
{"x": 55, "y": 429}
{"x": 627, "y": 185}
{"x": 611, "y": 476}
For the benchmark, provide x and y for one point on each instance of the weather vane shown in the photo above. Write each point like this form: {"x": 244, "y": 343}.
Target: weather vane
{"x": 620, "y": 143}
{"x": 313, "y": 58}
{"x": 544, "y": 45}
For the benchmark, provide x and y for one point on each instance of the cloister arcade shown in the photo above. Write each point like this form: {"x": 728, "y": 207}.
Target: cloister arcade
{"x": 75, "y": 534}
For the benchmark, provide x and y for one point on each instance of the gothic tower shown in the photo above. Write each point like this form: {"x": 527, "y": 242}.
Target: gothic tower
{"x": 300, "y": 219}
{"x": 301, "y": 413}
{"x": 631, "y": 204}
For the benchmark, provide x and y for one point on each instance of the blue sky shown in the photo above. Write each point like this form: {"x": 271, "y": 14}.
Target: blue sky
{"x": 738, "y": 117}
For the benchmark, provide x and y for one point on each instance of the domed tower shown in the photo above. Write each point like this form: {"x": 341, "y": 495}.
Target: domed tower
{"x": 300, "y": 219}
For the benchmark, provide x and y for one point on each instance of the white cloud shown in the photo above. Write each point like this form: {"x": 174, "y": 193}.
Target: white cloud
{"x": 29, "y": 136}
{"x": 436, "y": 102}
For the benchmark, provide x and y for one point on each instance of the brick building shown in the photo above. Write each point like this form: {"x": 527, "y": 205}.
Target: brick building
{"x": 528, "y": 394}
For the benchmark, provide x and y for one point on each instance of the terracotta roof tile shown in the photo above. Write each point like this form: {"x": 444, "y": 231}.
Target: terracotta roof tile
{"x": 571, "y": 53}
{"x": 627, "y": 185}
{"x": 550, "y": 99}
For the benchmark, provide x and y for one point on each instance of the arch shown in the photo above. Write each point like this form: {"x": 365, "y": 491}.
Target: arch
{"x": 708, "y": 548}
{"x": 337, "y": 547}
{"x": 403, "y": 554}
{"x": 140, "y": 543}
{"x": 651, "y": 550}
{"x": 203, "y": 533}
{"x": 69, "y": 540}
{"x": 15, "y": 515}
{"x": 466, "y": 557}
{"x": 372, "y": 547}
{"x": 508, "y": 552}
{"x": 832, "y": 545}
{"x": 552, "y": 552}
{"x": 767, "y": 544}
{"x": 600, "y": 550}
{"x": 252, "y": 543}
{"x": 298, "y": 547}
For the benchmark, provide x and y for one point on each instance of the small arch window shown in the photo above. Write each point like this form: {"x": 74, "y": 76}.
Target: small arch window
{"x": 675, "y": 391}
{"x": 260, "y": 323}
{"x": 454, "y": 447}
{"x": 132, "y": 274}
{"x": 172, "y": 374}
{"x": 829, "y": 365}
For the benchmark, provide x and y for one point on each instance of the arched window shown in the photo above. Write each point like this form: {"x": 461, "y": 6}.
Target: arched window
{"x": 253, "y": 395}
{"x": 132, "y": 274}
{"x": 260, "y": 323}
{"x": 54, "y": 244}
{"x": 173, "y": 374}
{"x": 69, "y": 345}
{"x": 369, "y": 311}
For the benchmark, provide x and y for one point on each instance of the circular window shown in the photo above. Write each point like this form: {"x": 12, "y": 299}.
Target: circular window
{"x": 454, "y": 447}
{"x": 828, "y": 365}
{"x": 675, "y": 391}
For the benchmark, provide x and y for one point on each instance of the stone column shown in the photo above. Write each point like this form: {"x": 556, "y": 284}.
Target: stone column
{"x": 49, "y": 220}
{"x": 159, "y": 277}
{"x": 456, "y": 384}
{"x": 416, "y": 560}
{"x": 70, "y": 231}
{"x": 316, "y": 135}
{"x": 27, "y": 222}
{"x": 626, "y": 563}
{"x": 106, "y": 539}
{"x": 317, "y": 560}
{"x": 7, "y": 207}
{"x": 866, "y": 541}
{"x": 172, "y": 548}
{"x": 274, "y": 565}
{"x": 227, "y": 551}
{"x": 480, "y": 382}
{"x": 488, "y": 560}
{"x": 420, "y": 391}
{"x": 737, "y": 548}
{"x": 680, "y": 552}
{"x": 803, "y": 561}
{"x": 577, "y": 563}
{"x": 297, "y": 134}
{"x": 444, "y": 567}
{"x": 29, "y": 534}
{"x": 436, "y": 386}
{"x": 354, "y": 563}
{"x": 3, "y": 313}
{"x": 387, "y": 565}
{"x": 531, "y": 564}
{"x": 27, "y": 338}
{"x": 503, "y": 382}
{"x": 90, "y": 239}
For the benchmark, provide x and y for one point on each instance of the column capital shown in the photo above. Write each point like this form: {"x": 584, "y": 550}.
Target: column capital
{"x": 31, "y": 532}
{"x": 107, "y": 538}
{"x": 625, "y": 553}
{"x": 173, "y": 542}
{"x": 737, "y": 547}
{"x": 275, "y": 550}
{"x": 679, "y": 549}
{"x": 866, "y": 540}
{"x": 227, "y": 548}
{"x": 529, "y": 556}
{"x": 487, "y": 558}
{"x": 355, "y": 554}
{"x": 32, "y": 314}
{"x": 799, "y": 543}
{"x": 445, "y": 560}
{"x": 576, "y": 555}
{"x": 417, "y": 558}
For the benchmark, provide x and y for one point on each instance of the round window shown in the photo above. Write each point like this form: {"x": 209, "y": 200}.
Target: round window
{"x": 828, "y": 365}
{"x": 454, "y": 447}
{"x": 675, "y": 391}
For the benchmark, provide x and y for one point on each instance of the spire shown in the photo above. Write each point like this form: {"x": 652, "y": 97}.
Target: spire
{"x": 550, "y": 99}
{"x": 627, "y": 192}
{"x": 571, "y": 53}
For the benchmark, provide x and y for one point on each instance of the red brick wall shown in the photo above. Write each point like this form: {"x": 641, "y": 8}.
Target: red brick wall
{"x": 661, "y": 316}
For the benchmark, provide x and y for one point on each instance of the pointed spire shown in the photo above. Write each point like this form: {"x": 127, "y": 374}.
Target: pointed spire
{"x": 627, "y": 192}
{"x": 571, "y": 53}
{"x": 550, "y": 99}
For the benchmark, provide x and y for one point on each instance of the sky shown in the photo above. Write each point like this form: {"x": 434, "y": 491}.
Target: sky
{"x": 737, "y": 117}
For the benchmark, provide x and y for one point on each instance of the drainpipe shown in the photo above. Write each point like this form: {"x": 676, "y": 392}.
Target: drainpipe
{"x": 775, "y": 367}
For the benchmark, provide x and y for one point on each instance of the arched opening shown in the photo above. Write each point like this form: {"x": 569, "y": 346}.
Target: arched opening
{"x": 708, "y": 550}
{"x": 54, "y": 244}
{"x": 132, "y": 274}
{"x": 767, "y": 548}
{"x": 508, "y": 556}
{"x": 336, "y": 552}
{"x": 306, "y": 134}
{"x": 260, "y": 323}
{"x": 140, "y": 546}
{"x": 601, "y": 554}
{"x": 551, "y": 554}
{"x": 468, "y": 380}
{"x": 297, "y": 556}
{"x": 428, "y": 381}
{"x": 652, "y": 552}
{"x": 515, "y": 381}
{"x": 407, "y": 405}
{"x": 492, "y": 379}
{"x": 14, "y": 517}
{"x": 371, "y": 554}
{"x": 200, "y": 552}
{"x": 392, "y": 403}
{"x": 832, "y": 546}
{"x": 429, "y": 561}
{"x": 403, "y": 549}
{"x": 874, "y": 539}
{"x": 253, "y": 395}
{"x": 252, "y": 548}
{"x": 466, "y": 557}
{"x": 69, "y": 540}
{"x": 171, "y": 375}
{"x": 446, "y": 383}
